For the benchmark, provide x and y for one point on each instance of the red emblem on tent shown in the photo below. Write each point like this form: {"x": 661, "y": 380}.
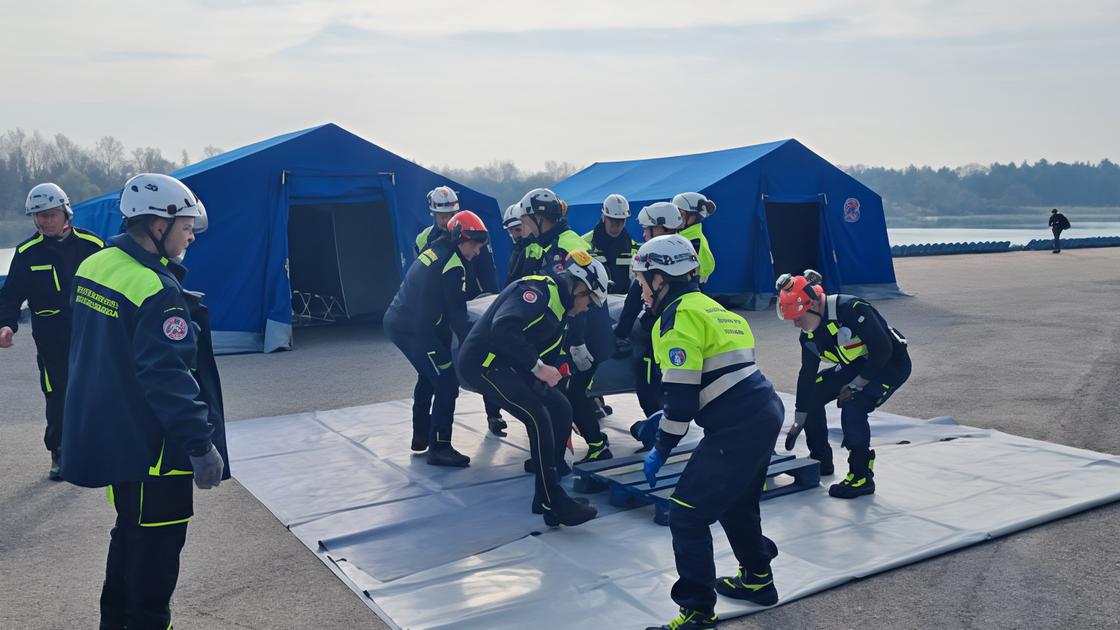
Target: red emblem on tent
{"x": 175, "y": 328}
{"x": 529, "y": 296}
{"x": 851, "y": 210}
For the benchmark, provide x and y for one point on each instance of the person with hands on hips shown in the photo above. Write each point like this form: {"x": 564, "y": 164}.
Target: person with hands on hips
{"x": 707, "y": 357}
{"x": 869, "y": 362}
{"x": 143, "y": 411}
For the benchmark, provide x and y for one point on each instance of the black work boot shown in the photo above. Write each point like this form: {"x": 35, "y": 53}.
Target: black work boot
{"x": 860, "y": 480}
{"x": 447, "y": 456}
{"x": 56, "y": 466}
{"x": 419, "y": 441}
{"x": 597, "y": 451}
{"x": 564, "y": 510}
{"x": 755, "y": 586}
{"x": 539, "y": 503}
{"x": 690, "y": 620}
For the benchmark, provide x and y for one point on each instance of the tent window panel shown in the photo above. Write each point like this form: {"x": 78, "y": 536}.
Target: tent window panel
{"x": 794, "y": 236}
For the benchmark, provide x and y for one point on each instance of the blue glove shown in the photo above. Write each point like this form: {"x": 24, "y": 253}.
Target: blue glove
{"x": 654, "y": 460}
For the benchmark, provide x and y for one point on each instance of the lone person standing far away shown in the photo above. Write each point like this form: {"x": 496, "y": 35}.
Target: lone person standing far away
{"x": 1058, "y": 223}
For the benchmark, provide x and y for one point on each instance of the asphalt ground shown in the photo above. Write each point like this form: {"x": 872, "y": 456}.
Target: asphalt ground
{"x": 1027, "y": 343}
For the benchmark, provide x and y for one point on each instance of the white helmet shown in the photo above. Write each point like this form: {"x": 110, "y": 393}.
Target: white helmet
{"x": 671, "y": 254}
{"x": 543, "y": 202}
{"x": 162, "y": 196}
{"x": 696, "y": 203}
{"x": 580, "y": 265}
{"x": 615, "y": 206}
{"x": 512, "y": 216}
{"x": 443, "y": 199}
{"x": 661, "y": 213}
{"x": 47, "y": 197}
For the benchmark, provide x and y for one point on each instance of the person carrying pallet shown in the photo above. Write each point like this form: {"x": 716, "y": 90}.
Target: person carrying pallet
{"x": 706, "y": 354}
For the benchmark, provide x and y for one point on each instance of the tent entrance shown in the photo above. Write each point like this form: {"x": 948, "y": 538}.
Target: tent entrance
{"x": 794, "y": 236}
{"x": 341, "y": 261}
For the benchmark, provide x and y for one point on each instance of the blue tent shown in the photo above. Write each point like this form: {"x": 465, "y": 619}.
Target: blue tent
{"x": 320, "y": 211}
{"x": 780, "y": 208}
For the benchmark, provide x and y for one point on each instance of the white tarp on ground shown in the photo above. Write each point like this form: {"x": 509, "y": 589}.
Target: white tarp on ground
{"x": 430, "y": 547}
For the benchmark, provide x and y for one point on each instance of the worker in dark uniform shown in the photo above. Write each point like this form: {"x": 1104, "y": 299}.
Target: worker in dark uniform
{"x": 512, "y": 354}
{"x": 521, "y": 262}
{"x": 1058, "y": 224}
{"x": 869, "y": 361}
{"x": 589, "y": 339}
{"x": 430, "y": 305}
{"x": 481, "y": 276}
{"x": 695, "y": 208}
{"x": 657, "y": 219}
{"x": 143, "y": 413}
{"x": 611, "y": 243}
{"x": 41, "y": 273}
{"x": 707, "y": 358}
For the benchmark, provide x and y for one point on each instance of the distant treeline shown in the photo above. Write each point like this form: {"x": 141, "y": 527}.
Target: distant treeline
{"x": 915, "y": 192}
{"x": 910, "y": 193}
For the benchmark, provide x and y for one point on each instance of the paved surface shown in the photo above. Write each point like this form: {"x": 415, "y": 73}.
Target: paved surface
{"x": 1028, "y": 343}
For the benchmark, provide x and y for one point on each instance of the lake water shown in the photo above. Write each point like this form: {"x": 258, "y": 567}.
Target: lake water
{"x": 913, "y": 236}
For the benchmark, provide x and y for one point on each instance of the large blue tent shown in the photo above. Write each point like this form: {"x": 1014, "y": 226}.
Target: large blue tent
{"x": 780, "y": 208}
{"x": 320, "y": 211}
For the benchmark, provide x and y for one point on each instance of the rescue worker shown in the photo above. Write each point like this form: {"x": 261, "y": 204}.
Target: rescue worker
{"x": 481, "y": 276}
{"x": 695, "y": 208}
{"x": 707, "y": 358}
{"x": 611, "y": 243}
{"x": 869, "y": 361}
{"x": 430, "y": 305}
{"x": 144, "y": 413}
{"x": 41, "y": 274}
{"x": 588, "y": 342}
{"x": 656, "y": 219}
{"x": 512, "y": 354}
{"x": 525, "y": 260}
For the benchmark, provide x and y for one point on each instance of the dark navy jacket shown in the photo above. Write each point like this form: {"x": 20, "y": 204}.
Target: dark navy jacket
{"x": 481, "y": 273}
{"x": 525, "y": 322}
{"x": 851, "y": 332}
{"x": 134, "y": 407}
{"x": 432, "y": 299}
{"x": 41, "y": 273}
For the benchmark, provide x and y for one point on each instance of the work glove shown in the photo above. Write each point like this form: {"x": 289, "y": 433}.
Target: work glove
{"x": 851, "y": 389}
{"x": 208, "y": 469}
{"x": 653, "y": 462}
{"x": 581, "y": 356}
{"x": 799, "y": 418}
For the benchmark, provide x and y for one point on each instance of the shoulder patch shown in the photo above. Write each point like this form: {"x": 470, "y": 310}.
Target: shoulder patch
{"x": 677, "y": 356}
{"x": 175, "y": 328}
{"x": 529, "y": 296}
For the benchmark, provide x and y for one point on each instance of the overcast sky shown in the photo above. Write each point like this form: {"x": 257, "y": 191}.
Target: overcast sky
{"x": 463, "y": 83}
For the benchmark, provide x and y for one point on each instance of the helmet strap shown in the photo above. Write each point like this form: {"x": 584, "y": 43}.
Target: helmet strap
{"x": 161, "y": 242}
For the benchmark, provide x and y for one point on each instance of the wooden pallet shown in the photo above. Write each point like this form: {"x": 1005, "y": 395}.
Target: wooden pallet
{"x": 624, "y": 478}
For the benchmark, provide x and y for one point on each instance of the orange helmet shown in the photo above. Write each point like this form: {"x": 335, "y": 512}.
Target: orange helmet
{"x": 796, "y": 294}
{"x": 466, "y": 226}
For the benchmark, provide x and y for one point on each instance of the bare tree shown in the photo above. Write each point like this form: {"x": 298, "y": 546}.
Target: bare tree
{"x": 210, "y": 151}
{"x": 109, "y": 158}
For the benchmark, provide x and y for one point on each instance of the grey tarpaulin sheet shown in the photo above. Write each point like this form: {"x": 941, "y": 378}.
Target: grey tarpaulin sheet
{"x": 439, "y": 548}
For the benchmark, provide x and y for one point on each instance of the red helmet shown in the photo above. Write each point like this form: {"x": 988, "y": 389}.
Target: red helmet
{"x": 466, "y": 226}
{"x": 796, "y": 294}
